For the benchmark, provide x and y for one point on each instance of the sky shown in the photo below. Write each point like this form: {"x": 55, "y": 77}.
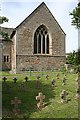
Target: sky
{"x": 17, "y": 10}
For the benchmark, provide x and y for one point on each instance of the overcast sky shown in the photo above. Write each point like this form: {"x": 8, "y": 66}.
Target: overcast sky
{"x": 17, "y": 10}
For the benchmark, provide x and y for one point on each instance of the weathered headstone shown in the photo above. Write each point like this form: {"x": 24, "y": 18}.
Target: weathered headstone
{"x": 53, "y": 83}
{"x": 57, "y": 76}
{"x": 4, "y": 79}
{"x": 16, "y": 102}
{"x": 63, "y": 96}
{"x": 42, "y": 71}
{"x": 40, "y": 97}
{"x": 38, "y": 82}
{"x": 78, "y": 93}
{"x": 64, "y": 81}
{"x": 15, "y": 79}
{"x": 79, "y": 80}
{"x": 22, "y": 88}
{"x": 76, "y": 79}
{"x": 38, "y": 77}
{"x": 47, "y": 77}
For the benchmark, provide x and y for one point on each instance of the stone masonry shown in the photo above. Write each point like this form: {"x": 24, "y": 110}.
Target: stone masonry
{"x": 24, "y": 57}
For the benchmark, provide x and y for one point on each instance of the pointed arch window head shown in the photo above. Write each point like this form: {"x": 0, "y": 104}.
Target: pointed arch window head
{"x": 41, "y": 40}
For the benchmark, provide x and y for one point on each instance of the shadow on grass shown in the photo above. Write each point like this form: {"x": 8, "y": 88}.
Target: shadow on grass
{"x": 26, "y": 92}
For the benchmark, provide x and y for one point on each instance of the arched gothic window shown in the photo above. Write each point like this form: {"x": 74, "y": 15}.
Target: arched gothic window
{"x": 41, "y": 40}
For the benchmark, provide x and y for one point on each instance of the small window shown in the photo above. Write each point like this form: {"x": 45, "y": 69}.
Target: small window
{"x": 6, "y": 58}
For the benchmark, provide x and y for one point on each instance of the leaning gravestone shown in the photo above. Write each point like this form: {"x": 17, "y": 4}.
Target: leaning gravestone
{"x": 63, "y": 96}
{"x": 4, "y": 79}
{"x": 40, "y": 97}
{"x": 16, "y": 102}
{"x": 15, "y": 79}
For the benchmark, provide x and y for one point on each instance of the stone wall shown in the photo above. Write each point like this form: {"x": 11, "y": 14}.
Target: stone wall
{"x": 26, "y": 31}
{"x": 26, "y": 62}
{"x": 25, "y": 42}
{"x": 6, "y": 52}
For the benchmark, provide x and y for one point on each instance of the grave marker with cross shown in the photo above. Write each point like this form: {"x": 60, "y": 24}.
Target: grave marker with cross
{"x": 15, "y": 79}
{"x": 4, "y": 79}
{"x": 16, "y": 102}
{"x": 40, "y": 97}
{"x": 26, "y": 79}
{"x": 63, "y": 96}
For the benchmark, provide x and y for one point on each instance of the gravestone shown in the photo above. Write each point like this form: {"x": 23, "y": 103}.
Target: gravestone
{"x": 47, "y": 77}
{"x": 15, "y": 79}
{"x": 63, "y": 96}
{"x": 4, "y": 79}
{"x": 64, "y": 81}
{"x": 76, "y": 79}
{"x": 16, "y": 102}
{"x": 53, "y": 83}
{"x": 26, "y": 79}
{"x": 78, "y": 93}
{"x": 57, "y": 76}
{"x": 22, "y": 88}
{"x": 40, "y": 98}
{"x": 38, "y": 77}
{"x": 38, "y": 82}
{"x": 42, "y": 72}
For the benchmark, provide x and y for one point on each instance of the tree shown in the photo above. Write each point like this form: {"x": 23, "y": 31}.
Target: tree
{"x": 71, "y": 58}
{"x": 4, "y": 34}
{"x": 76, "y": 16}
{"x": 3, "y": 19}
{"x": 77, "y": 58}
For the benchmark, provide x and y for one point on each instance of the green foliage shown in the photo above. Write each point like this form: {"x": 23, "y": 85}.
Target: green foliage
{"x": 3, "y": 19}
{"x": 4, "y": 34}
{"x": 73, "y": 58}
{"x": 77, "y": 58}
{"x": 76, "y": 16}
{"x": 63, "y": 69}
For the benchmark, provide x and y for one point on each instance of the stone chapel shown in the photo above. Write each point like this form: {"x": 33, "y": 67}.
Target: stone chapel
{"x": 36, "y": 43}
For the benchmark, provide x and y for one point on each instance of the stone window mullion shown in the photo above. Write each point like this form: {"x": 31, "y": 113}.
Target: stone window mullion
{"x": 41, "y": 43}
{"x": 45, "y": 44}
{"x": 37, "y": 42}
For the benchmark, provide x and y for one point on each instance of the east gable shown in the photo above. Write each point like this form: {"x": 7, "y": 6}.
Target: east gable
{"x": 26, "y": 31}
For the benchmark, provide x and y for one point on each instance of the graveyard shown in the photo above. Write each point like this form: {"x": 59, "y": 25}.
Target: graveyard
{"x": 21, "y": 95}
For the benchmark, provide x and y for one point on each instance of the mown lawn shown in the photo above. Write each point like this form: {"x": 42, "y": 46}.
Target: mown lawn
{"x": 53, "y": 107}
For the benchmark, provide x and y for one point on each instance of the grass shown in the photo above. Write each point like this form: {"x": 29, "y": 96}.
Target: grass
{"x": 53, "y": 109}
